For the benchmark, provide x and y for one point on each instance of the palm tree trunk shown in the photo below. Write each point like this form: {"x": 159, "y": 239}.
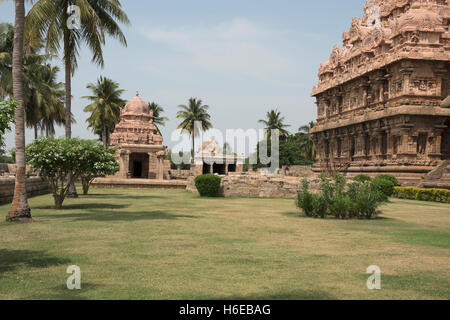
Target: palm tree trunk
{"x": 104, "y": 136}
{"x": 193, "y": 147}
{"x": 35, "y": 131}
{"x": 68, "y": 120}
{"x": 20, "y": 210}
{"x": 68, "y": 84}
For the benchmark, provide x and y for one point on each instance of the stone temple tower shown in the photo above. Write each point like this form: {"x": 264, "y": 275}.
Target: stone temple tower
{"x": 139, "y": 143}
{"x": 383, "y": 96}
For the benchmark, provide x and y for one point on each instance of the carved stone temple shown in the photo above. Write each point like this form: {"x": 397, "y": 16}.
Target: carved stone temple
{"x": 383, "y": 96}
{"x": 139, "y": 151}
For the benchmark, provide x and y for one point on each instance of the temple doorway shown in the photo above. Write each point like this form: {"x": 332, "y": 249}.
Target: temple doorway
{"x": 139, "y": 165}
{"x": 219, "y": 168}
{"x": 206, "y": 168}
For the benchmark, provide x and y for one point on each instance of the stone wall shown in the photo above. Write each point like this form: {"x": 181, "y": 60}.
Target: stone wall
{"x": 35, "y": 186}
{"x": 179, "y": 174}
{"x": 258, "y": 186}
{"x": 296, "y": 171}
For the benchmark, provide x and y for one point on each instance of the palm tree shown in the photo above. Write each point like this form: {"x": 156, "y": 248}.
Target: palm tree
{"x": 48, "y": 19}
{"x": 158, "y": 119}
{"x": 105, "y": 107}
{"x": 43, "y": 96}
{"x": 274, "y": 121}
{"x": 191, "y": 113}
{"x": 308, "y": 146}
{"x": 20, "y": 210}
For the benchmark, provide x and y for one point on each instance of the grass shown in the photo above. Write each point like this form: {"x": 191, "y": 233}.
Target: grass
{"x": 158, "y": 244}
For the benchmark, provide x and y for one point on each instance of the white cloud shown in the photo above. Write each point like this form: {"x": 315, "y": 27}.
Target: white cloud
{"x": 238, "y": 46}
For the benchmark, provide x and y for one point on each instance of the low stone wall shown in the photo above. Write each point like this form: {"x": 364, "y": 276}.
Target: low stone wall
{"x": 258, "y": 186}
{"x": 296, "y": 171}
{"x": 179, "y": 174}
{"x": 35, "y": 186}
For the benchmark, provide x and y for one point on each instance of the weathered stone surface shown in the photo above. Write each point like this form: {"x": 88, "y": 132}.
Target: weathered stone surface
{"x": 257, "y": 186}
{"x": 380, "y": 97}
{"x": 35, "y": 186}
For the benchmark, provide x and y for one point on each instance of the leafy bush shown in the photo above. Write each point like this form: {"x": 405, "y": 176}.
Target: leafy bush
{"x": 305, "y": 199}
{"x": 362, "y": 178}
{"x": 382, "y": 185}
{"x": 208, "y": 185}
{"x": 58, "y": 159}
{"x": 437, "y": 195}
{"x": 389, "y": 177}
{"x": 355, "y": 200}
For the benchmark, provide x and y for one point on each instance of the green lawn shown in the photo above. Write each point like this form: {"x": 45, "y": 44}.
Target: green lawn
{"x": 158, "y": 244}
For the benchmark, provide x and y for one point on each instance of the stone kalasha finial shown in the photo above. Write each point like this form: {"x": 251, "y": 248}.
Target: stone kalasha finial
{"x": 137, "y": 93}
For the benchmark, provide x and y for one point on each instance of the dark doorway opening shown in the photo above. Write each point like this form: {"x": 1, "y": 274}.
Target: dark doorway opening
{"x": 206, "y": 168}
{"x": 219, "y": 168}
{"x": 231, "y": 168}
{"x": 137, "y": 169}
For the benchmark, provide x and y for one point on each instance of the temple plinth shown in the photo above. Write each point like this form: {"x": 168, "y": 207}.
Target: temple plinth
{"x": 383, "y": 97}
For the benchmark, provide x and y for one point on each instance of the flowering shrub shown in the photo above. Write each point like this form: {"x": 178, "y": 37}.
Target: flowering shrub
{"x": 62, "y": 161}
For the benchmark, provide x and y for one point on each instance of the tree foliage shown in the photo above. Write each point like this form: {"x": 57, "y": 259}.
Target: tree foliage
{"x": 274, "y": 121}
{"x": 191, "y": 113}
{"x": 58, "y": 159}
{"x": 106, "y": 103}
{"x": 7, "y": 108}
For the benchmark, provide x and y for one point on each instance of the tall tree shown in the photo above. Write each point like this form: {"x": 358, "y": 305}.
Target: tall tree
{"x": 307, "y": 145}
{"x": 43, "y": 95}
{"x": 56, "y": 21}
{"x": 274, "y": 121}
{"x": 20, "y": 210}
{"x": 158, "y": 119}
{"x": 51, "y": 20}
{"x": 105, "y": 107}
{"x": 191, "y": 113}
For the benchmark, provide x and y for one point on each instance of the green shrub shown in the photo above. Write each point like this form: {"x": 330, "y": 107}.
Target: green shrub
{"x": 382, "y": 185}
{"x": 305, "y": 200}
{"x": 208, "y": 185}
{"x": 362, "y": 178}
{"x": 389, "y": 177}
{"x": 355, "y": 200}
{"x": 411, "y": 193}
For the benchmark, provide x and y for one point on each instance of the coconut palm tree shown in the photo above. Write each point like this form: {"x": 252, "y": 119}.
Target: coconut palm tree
{"x": 105, "y": 107}
{"x": 191, "y": 113}
{"x": 308, "y": 146}
{"x": 49, "y": 19}
{"x": 20, "y": 210}
{"x": 158, "y": 119}
{"x": 274, "y": 121}
{"x": 43, "y": 96}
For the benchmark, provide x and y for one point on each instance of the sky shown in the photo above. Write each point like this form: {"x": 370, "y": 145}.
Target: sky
{"x": 241, "y": 57}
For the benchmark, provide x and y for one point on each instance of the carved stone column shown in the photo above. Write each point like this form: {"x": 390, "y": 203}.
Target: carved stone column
{"x": 150, "y": 155}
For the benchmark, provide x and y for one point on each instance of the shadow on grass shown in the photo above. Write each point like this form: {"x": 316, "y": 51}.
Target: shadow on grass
{"x": 119, "y": 196}
{"x": 13, "y": 259}
{"x": 282, "y": 295}
{"x": 62, "y": 293}
{"x": 86, "y": 206}
{"x": 101, "y": 215}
